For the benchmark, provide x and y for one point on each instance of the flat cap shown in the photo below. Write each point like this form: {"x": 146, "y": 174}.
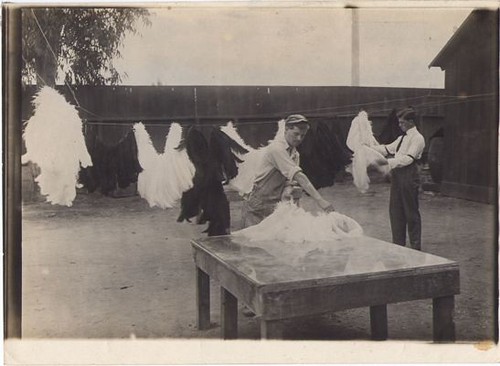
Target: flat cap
{"x": 295, "y": 118}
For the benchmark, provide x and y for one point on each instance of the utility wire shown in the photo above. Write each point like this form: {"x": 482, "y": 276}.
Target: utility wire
{"x": 269, "y": 121}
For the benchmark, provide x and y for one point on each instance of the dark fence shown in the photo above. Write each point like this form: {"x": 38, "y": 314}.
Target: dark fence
{"x": 254, "y": 109}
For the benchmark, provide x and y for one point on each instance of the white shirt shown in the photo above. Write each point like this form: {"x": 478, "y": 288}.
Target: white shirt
{"x": 410, "y": 150}
{"x": 278, "y": 166}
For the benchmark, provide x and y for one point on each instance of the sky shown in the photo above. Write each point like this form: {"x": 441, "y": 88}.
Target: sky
{"x": 293, "y": 46}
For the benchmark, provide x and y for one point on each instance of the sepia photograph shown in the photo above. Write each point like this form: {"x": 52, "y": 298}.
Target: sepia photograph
{"x": 247, "y": 182}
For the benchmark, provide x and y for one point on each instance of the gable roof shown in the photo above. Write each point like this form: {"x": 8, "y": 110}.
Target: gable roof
{"x": 478, "y": 17}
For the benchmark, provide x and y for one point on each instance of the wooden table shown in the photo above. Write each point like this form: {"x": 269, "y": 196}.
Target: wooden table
{"x": 280, "y": 281}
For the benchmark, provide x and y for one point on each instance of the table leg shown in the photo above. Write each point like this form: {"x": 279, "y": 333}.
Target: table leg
{"x": 229, "y": 315}
{"x": 271, "y": 329}
{"x": 378, "y": 322}
{"x": 442, "y": 319}
{"x": 203, "y": 299}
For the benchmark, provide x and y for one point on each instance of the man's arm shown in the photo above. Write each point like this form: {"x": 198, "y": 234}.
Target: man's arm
{"x": 306, "y": 184}
{"x": 414, "y": 152}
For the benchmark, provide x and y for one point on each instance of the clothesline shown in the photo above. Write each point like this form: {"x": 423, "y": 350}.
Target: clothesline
{"x": 274, "y": 119}
{"x": 426, "y": 105}
{"x": 422, "y": 106}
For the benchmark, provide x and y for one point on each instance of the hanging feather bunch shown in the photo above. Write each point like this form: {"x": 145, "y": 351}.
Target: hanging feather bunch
{"x": 215, "y": 158}
{"x": 360, "y": 132}
{"x": 292, "y": 224}
{"x": 164, "y": 176}
{"x": 250, "y": 161}
{"x": 115, "y": 165}
{"x": 243, "y": 182}
{"x": 360, "y": 139}
{"x": 54, "y": 141}
{"x": 322, "y": 154}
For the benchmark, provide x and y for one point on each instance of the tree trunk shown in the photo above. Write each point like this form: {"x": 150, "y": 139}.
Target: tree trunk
{"x": 46, "y": 69}
{"x": 47, "y": 49}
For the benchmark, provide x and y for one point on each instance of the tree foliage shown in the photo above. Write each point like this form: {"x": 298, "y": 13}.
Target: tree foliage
{"x": 76, "y": 43}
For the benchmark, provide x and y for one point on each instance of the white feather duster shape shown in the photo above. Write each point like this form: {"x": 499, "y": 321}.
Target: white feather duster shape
{"x": 165, "y": 176}
{"x": 243, "y": 182}
{"x": 148, "y": 159}
{"x": 292, "y": 224}
{"x": 280, "y": 132}
{"x": 146, "y": 153}
{"x": 179, "y": 170}
{"x": 360, "y": 139}
{"x": 54, "y": 141}
{"x": 360, "y": 132}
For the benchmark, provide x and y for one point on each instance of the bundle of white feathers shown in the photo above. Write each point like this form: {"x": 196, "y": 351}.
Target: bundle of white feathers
{"x": 291, "y": 223}
{"x": 360, "y": 140}
{"x": 167, "y": 175}
{"x": 54, "y": 141}
{"x": 243, "y": 182}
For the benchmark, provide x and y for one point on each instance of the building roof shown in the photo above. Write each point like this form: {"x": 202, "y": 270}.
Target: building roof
{"x": 475, "y": 18}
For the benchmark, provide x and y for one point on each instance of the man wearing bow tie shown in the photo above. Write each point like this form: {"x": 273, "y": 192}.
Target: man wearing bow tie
{"x": 403, "y": 154}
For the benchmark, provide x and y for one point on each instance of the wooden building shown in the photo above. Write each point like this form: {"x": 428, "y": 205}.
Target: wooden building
{"x": 470, "y": 141}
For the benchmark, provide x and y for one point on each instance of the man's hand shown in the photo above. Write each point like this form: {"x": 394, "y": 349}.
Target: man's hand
{"x": 291, "y": 193}
{"x": 296, "y": 193}
{"x": 325, "y": 205}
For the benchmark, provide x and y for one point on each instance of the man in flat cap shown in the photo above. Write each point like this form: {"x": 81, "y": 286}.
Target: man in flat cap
{"x": 404, "y": 153}
{"x": 279, "y": 176}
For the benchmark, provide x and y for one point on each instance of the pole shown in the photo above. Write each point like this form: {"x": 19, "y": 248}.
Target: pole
{"x": 355, "y": 48}
{"x": 12, "y": 170}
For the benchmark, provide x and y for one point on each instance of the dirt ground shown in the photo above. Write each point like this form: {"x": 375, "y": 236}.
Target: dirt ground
{"x": 116, "y": 268}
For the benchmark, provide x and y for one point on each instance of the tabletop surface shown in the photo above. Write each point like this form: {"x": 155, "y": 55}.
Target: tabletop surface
{"x": 271, "y": 262}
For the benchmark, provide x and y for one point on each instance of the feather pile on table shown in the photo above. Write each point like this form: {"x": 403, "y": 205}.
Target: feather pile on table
{"x": 360, "y": 140}
{"x": 291, "y": 223}
{"x": 164, "y": 176}
{"x": 54, "y": 141}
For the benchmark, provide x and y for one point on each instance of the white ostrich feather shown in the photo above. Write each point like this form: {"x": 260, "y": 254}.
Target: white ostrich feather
{"x": 360, "y": 132}
{"x": 360, "y": 139}
{"x": 280, "y": 132}
{"x": 243, "y": 182}
{"x": 292, "y": 224}
{"x": 231, "y": 131}
{"x": 146, "y": 153}
{"x": 179, "y": 170}
{"x": 54, "y": 141}
{"x": 165, "y": 176}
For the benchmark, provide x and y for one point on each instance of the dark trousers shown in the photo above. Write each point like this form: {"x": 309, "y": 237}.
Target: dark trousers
{"x": 403, "y": 206}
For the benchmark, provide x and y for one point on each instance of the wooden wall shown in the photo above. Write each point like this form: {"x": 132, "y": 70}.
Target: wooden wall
{"x": 471, "y": 123}
{"x": 254, "y": 109}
